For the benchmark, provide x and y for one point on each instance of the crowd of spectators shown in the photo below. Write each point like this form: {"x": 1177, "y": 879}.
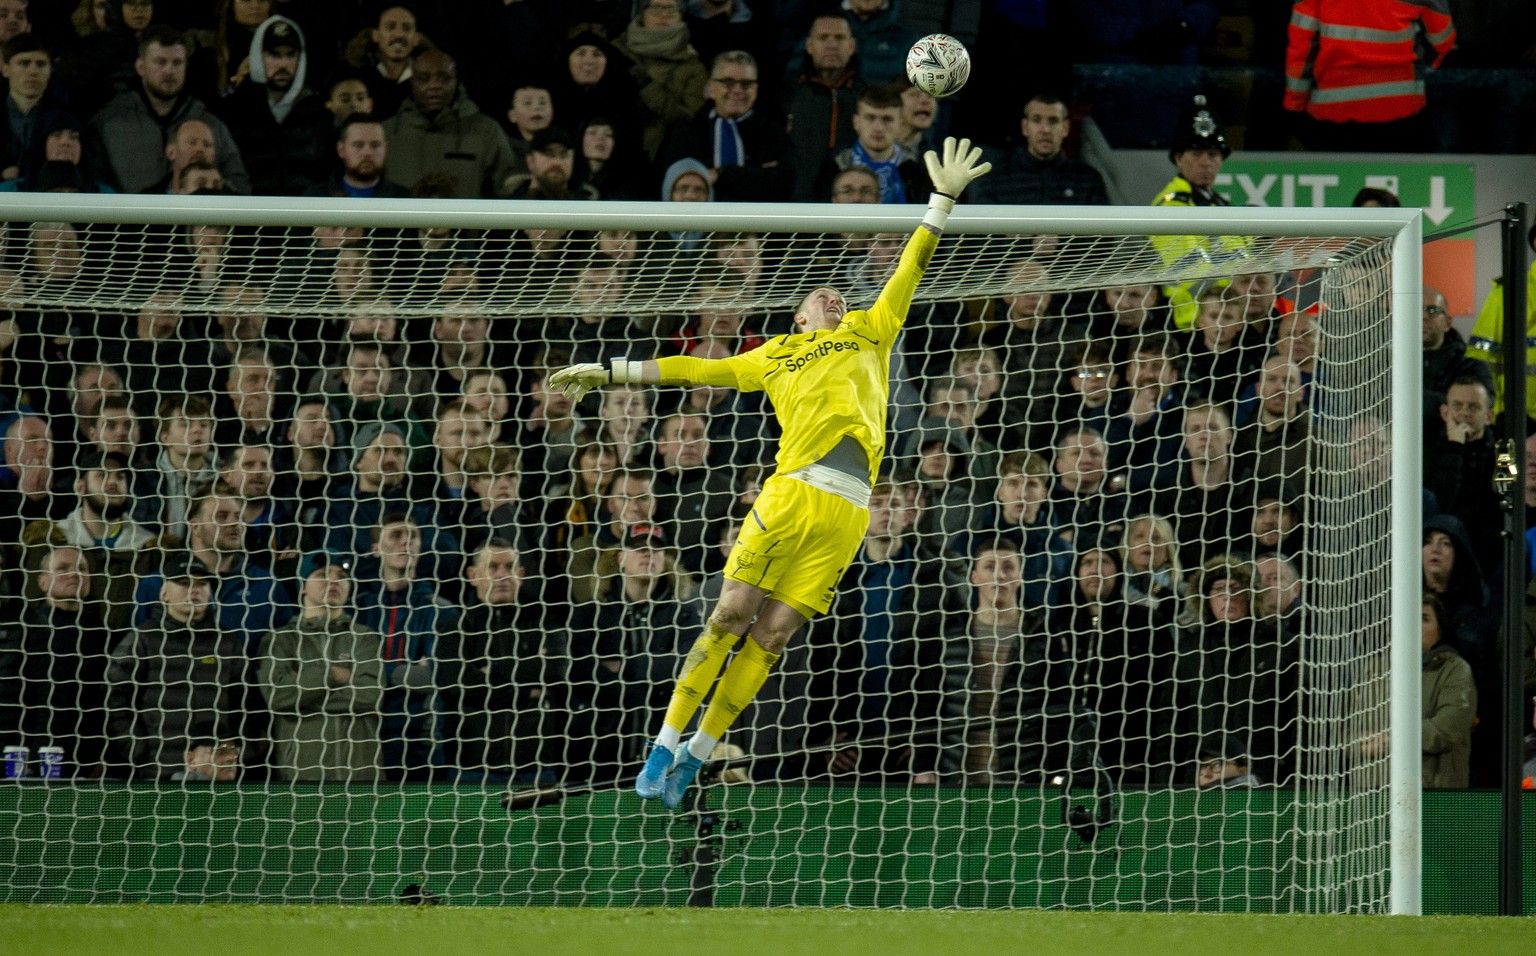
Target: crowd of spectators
{"x": 369, "y": 546}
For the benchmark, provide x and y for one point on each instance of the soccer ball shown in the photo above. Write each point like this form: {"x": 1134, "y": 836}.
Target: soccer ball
{"x": 938, "y": 64}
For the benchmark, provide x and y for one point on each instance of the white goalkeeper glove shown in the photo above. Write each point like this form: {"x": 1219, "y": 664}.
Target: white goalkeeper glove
{"x": 575, "y": 381}
{"x": 950, "y": 176}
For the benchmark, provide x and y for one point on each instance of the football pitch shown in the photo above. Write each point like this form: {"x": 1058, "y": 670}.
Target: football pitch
{"x": 237, "y": 930}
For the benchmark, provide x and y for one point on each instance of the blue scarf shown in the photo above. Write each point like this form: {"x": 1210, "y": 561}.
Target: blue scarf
{"x": 891, "y": 189}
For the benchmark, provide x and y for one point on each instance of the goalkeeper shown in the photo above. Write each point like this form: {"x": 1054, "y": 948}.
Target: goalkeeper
{"x": 828, "y": 386}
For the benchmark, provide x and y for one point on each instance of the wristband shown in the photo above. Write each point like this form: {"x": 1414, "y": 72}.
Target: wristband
{"x": 624, "y": 372}
{"x": 939, "y": 208}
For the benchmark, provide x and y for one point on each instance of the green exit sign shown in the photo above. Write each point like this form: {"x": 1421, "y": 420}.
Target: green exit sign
{"x": 1445, "y": 191}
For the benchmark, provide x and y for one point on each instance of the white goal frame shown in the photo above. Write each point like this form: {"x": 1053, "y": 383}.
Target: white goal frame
{"x": 1403, "y": 228}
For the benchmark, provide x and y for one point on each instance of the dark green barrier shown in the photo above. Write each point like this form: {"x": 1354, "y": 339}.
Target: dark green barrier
{"x": 1233, "y": 850}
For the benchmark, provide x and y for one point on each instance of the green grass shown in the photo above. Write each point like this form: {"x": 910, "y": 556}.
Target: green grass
{"x": 237, "y": 930}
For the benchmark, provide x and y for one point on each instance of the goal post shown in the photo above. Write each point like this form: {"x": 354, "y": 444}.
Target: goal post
{"x": 1012, "y": 689}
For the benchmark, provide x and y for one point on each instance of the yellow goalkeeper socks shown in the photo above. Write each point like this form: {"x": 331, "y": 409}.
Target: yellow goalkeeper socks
{"x": 698, "y": 674}
{"x": 740, "y": 683}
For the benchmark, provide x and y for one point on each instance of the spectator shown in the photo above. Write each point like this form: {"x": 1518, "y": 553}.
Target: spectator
{"x": 550, "y": 431}
{"x": 855, "y": 184}
{"x": 1087, "y": 501}
{"x": 385, "y": 52}
{"x": 881, "y": 38}
{"x": 220, "y": 61}
{"x": 27, "y": 66}
{"x": 719, "y": 26}
{"x": 280, "y": 125}
{"x": 1454, "y": 577}
{"x": 745, "y": 148}
{"x": 1278, "y": 442}
{"x": 1149, "y": 553}
{"x": 597, "y": 82}
{"x": 876, "y": 118}
{"x": 1222, "y": 762}
{"x": 874, "y": 676}
{"x": 459, "y": 430}
{"x": 493, "y": 503}
{"x": 270, "y": 535}
{"x": 573, "y": 502}
{"x": 1092, "y": 380}
{"x": 1122, "y": 314}
{"x": 240, "y": 313}
{"x": 532, "y": 110}
{"x": 128, "y": 137}
{"x": 250, "y": 602}
{"x": 249, "y": 410}
{"x": 637, "y": 630}
{"x": 1202, "y": 499}
{"x": 671, "y": 76}
{"x": 184, "y": 464}
{"x": 1143, "y": 435}
{"x": 305, "y": 469}
{"x": 1034, "y": 341}
{"x": 1121, "y": 657}
{"x": 347, "y": 95}
{"x": 821, "y": 100}
{"x": 691, "y": 493}
{"x": 1275, "y": 521}
{"x": 1225, "y": 351}
{"x": 369, "y": 395}
{"x": 916, "y": 132}
{"x": 363, "y": 148}
{"x": 1242, "y": 676}
{"x": 59, "y": 133}
{"x": 439, "y": 130}
{"x": 1008, "y": 709}
{"x": 323, "y": 680}
{"x": 208, "y": 759}
{"x": 53, "y": 663}
{"x": 603, "y": 162}
{"x": 1039, "y": 172}
{"x": 1459, "y": 457}
{"x": 376, "y": 488}
{"x": 502, "y": 676}
{"x": 684, "y": 181}
{"x": 1020, "y": 514}
{"x": 624, "y": 423}
{"x": 551, "y": 170}
{"x": 1445, "y": 356}
{"x": 115, "y": 431}
{"x": 594, "y": 557}
{"x": 176, "y": 672}
{"x": 1277, "y": 595}
{"x": 397, "y": 601}
{"x": 1450, "y": 706}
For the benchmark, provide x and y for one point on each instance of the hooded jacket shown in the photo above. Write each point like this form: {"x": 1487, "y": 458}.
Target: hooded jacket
{"x": 1450, "y": 710}
{"x": 1466, "y": 596}
{"x": 459, "y": 141}
{"x": 287, "y": 144}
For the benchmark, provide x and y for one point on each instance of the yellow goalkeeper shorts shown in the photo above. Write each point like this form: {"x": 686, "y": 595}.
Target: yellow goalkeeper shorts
{"x": 798, "y": 542}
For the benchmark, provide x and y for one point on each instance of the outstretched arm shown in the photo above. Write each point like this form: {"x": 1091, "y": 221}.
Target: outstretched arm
{"x": 576, "y": 380}
{"x": 951, "y": 173}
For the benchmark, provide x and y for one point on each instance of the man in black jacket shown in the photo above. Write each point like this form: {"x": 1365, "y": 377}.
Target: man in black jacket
{"x": 746, "y": 149}
{"x": 501, "y": 675}
{"x": 176, "y": 674}
{"x": 1040, "y": 171}
{"x": 282, "y": 128}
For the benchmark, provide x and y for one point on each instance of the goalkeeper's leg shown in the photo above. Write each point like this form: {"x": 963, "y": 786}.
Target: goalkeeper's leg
{"x": 737, "y": 607}
{"x": 779, "y": 619}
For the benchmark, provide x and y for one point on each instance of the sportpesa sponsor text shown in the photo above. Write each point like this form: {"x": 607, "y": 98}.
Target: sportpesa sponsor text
{"x": 811, "y": 354}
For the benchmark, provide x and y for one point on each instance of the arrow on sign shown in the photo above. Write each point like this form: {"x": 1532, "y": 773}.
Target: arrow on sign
{"x": 1437, "y": 210}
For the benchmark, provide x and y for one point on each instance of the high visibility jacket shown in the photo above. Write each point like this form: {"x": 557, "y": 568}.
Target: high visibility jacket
{"x": 1364, "y": 60}
{"x": 1222, "y": 255}
{"x": 1487, "y": 340}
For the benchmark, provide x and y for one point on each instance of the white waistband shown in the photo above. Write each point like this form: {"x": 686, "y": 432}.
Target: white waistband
{"x": 833, "y": 482}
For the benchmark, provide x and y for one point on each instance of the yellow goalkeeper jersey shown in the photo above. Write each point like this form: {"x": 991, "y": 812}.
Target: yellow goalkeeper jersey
{"x": 824, "y": 385}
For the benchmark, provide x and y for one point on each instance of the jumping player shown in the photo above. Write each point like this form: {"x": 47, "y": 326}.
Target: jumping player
{"x": 828, "y": 386}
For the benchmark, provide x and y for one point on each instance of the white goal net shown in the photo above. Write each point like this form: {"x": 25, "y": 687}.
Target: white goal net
{"x": 313, "y": 589}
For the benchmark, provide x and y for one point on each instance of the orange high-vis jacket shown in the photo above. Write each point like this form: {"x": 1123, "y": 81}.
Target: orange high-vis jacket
{"x": 1364, "y": 60}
